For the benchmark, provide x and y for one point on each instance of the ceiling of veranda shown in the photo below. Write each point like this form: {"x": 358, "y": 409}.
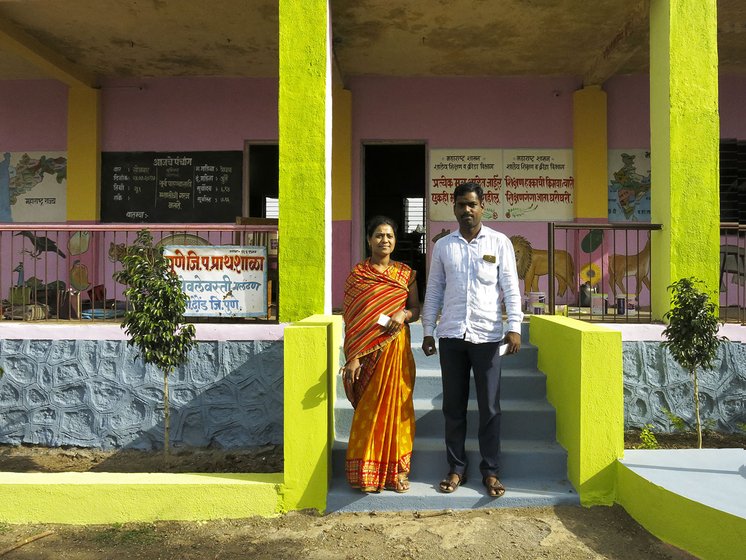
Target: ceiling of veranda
{"x": 159, "y": 38}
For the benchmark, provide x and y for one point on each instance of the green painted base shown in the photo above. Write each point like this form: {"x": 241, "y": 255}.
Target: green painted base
{"x": 699, "y": 529}
{"x": 96, "y": 498}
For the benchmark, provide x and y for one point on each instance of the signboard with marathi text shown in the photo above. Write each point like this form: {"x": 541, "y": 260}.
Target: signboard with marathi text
{"x": 222, "y": 280}
{"x": 518, "y": 184}
{"x": 449, "y": 168}
{"x": 171, "y": 187}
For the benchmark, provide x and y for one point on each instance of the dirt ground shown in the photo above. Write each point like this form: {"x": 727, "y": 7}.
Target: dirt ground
{"x": 518, "y": 534}
{"x": 688, "y": 440}
{"x": 263, "y": 459}
{"x": 77, "y": 459}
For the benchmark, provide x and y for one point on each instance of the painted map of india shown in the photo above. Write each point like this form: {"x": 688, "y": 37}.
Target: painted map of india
{"x": 630, "y": 187}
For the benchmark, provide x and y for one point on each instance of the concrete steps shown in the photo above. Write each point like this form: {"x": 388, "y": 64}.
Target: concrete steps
{"x": 527, "y": 418}
{"x": 534, "y": 466}
{"x": 424, "y": 495}
{"x": 529, "y": 458}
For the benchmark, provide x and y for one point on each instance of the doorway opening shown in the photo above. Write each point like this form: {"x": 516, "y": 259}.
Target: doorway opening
{"x": 263, "y": 163}
{"x": 395, "y": 180}
{"x": 261, "y": 207}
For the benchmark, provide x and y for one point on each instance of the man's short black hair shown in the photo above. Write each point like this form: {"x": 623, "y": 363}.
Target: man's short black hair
{"x": 465, "y": 188}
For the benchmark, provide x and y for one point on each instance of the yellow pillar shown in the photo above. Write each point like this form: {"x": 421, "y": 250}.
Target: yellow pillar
{"x": 83, "y": 154}
{"x": 341, "y": 153}
{"x": 590, "y": 153}
{"x": 341, "y": 190}
{"x": 305, "y": 156}
{"x": 684, "y": 126}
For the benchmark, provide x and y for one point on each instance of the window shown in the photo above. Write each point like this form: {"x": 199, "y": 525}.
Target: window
{"x": 271, "y": 207}
{"x": 414, "y": 219}
{"x": 733, "y": 180}
{"x": 414, "y": 215}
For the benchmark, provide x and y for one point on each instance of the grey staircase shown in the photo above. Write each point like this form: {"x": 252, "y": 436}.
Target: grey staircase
{"x": 534, "y": 465}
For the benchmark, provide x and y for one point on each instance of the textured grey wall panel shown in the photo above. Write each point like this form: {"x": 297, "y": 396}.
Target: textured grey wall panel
{"x": 229, "y": 395}
{"x": 654, "y": 382}
{"x": 96, "y": 394}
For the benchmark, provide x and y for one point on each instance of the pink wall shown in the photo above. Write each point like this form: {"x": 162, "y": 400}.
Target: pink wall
{"x": 465, "y": 112}
{"x": 33, "y": 116}
{"x": 497, "y": 112}
{"x": 188, "y": 114}
{"x": 220, "y": 113}
{"x": 629, "y": 109}
{"x": 732, "y": 108}
{"x": 458, "y": 113}
{"x": 628, "y": 112}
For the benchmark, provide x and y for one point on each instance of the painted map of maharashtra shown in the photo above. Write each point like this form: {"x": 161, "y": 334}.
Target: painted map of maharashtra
{"x": 629, "y": 186}
{"x": 24, "y": 176}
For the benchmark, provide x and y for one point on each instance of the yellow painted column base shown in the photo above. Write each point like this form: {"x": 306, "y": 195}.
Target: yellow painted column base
{"x": 96, "y": 498}
{"x": 583, "y": 365}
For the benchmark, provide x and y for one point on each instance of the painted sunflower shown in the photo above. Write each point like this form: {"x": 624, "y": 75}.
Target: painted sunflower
{"x": 590, "y": 273}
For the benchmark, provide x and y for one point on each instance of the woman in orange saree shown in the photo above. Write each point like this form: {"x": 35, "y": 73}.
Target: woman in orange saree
{"x": 379, "y": 372}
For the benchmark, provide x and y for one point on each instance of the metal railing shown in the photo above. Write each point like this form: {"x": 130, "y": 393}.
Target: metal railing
{"x": 65, "y": 272}
{"x": 733, "y": 273}
{"x": 602, "y": 272}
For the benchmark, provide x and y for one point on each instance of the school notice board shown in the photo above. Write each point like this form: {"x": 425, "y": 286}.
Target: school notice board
{"x": 518, "y": 184}
{"x": 171, "y": 187}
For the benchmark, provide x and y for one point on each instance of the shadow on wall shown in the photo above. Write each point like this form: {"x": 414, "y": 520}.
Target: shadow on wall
{"x": 95, "y": 394}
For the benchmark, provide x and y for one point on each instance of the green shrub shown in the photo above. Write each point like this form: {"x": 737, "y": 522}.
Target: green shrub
{"x": 677, "y": 422}
{"x": 154, "y": 319}
{"x": 692, "y": 333}
{"x": 647, "y": 437}
{"x": 709, "y": 425}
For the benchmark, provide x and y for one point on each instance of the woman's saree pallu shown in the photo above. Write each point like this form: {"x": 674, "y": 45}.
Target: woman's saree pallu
{"x": 382, "y": 432}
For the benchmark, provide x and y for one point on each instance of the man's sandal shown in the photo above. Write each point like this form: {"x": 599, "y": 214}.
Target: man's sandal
{"x": 495, "y": 489}
{"x": 452, "y": 482}
{"x": 402, "y": 483}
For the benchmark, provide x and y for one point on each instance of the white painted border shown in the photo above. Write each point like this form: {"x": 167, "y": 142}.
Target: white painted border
{"x": 654, "y": 332}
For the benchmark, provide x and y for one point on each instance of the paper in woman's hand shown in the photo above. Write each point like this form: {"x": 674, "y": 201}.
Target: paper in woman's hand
{"x": 383, "y": 320}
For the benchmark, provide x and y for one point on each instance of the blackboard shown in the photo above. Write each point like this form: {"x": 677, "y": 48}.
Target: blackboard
{"x": 171, "y": 187}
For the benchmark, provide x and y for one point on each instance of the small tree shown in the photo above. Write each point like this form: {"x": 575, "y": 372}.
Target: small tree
{"x": 692, "y": 333}
{"x": 154, "y": 319}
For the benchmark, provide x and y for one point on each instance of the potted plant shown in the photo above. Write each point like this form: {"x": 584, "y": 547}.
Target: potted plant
{"x": 691, "y": 333}
{"x": 154, "y": 319}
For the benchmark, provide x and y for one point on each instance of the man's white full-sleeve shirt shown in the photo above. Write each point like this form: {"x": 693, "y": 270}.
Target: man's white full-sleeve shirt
{"x": 467, "y": 283}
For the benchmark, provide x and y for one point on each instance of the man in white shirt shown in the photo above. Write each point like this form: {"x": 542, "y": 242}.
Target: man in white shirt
{"x": 472, "y": 271}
